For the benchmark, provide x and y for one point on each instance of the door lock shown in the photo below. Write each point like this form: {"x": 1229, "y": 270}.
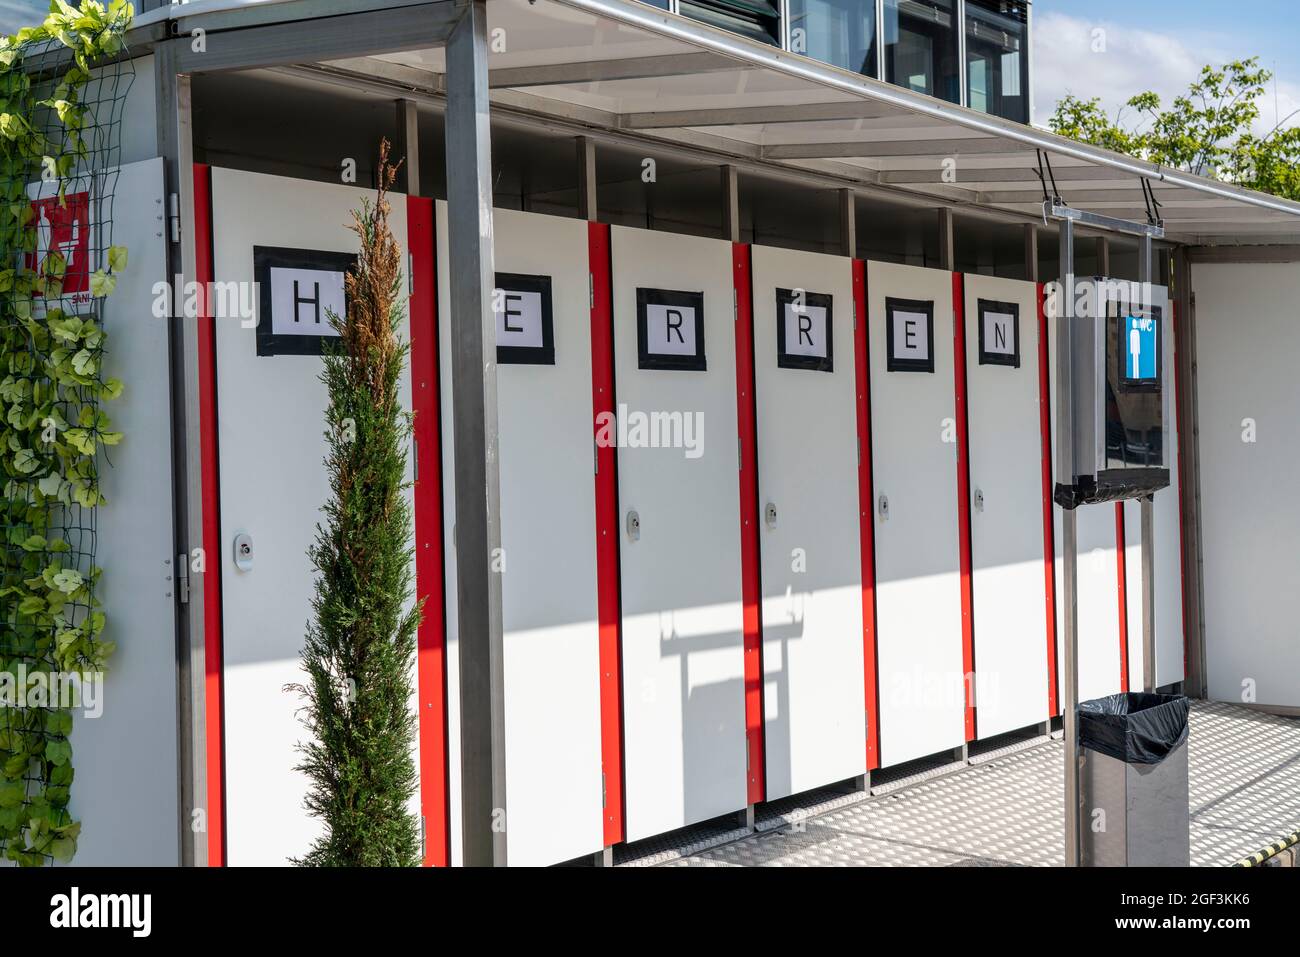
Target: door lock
{"x": 769, "y": 514}
{"x": 979, "y": 500}
{"x": 633, "y": 526}
{"x": 882, "y": 506}
{"x": 244, "y": 552}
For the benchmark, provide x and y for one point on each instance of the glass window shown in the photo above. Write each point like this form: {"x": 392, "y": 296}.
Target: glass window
{"x": 997, "y": 57}
{"x": 839, "y": 32}
{"x": 757, "y": 19}
{"x": 921, "y": 47}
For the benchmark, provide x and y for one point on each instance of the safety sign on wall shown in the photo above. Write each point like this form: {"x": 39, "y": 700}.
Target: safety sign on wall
{"x": 525, "y": 327}
{"x": 298, "y": 291}
{"x": 670, "y": 329}
{"x": 999, "y": 333}
{"x": 63, "y": 248}
{"x": 1140, "y": 336}
{"x": 804, "y": 330}
{"x": 909, "y": 335}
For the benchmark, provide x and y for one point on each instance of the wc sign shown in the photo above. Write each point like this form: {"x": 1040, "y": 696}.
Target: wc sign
{"x": 1141, "y": 344}
{"x": 298, "y": 290}
{"x": 670, "y": 330}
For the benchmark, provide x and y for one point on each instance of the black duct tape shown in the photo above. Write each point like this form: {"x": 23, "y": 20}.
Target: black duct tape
{"x": 1134, "y": 727}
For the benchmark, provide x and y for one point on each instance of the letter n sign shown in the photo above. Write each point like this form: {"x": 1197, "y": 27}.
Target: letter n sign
{"x": 670, "y": 330}
{"x": 804, "y": 330}
{"x": 909, "y": 335}
{"x": 999, "y": 333}
{"x": 298, "y": 290}
{"x": 525, "y": 327}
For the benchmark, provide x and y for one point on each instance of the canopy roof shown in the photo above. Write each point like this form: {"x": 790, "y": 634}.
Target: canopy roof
{"x": 623, "y": 69}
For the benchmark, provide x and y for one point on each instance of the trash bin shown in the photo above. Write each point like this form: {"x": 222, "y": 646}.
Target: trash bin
{"x": 1133, "y": 781}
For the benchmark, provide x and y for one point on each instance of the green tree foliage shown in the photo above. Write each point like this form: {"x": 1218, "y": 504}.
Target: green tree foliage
{"x": 1210, "y": 130}
{"x": 360, "y": 648}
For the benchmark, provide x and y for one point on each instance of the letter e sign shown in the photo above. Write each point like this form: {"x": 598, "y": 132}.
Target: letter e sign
{"x": 670, "y": 330}
{"x": 804, "y": 330}
{"x": 909, "y": 335}
{"x": 999, "y": 333}
{"x": 525, "y": 325}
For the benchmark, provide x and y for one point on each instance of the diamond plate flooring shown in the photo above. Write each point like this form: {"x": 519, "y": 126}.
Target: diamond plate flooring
{"x": 1006, "y": 811}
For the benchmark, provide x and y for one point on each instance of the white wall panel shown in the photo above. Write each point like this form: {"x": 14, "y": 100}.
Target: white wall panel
{"x": 918, "y": 587}
{"x": 273, "y": 483}
{"x": 813, "y": 695}
{"x": 1247, "y": 340}
{"x": 548, "y": 538}
{"x": 1009, "y": 597}
{"x": 683, "y": 649}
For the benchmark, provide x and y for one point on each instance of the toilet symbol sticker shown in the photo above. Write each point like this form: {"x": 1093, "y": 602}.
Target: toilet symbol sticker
{"x": 804, "y": 330}
{"x": 1140, "y": 342}
{"x": 298, "y": 290}
{"x": 909, "y": 335}
{"x": 999, "y": 333}
{"x": 670, "y": 330}
{"x": 521, "y": 306}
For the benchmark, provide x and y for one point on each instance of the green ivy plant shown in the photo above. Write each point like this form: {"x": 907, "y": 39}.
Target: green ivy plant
{"x": 51, "y": 426}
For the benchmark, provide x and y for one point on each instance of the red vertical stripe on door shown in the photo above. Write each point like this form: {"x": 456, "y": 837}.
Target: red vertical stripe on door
{"x": 866, "y": 512}
{"x": 210, "y": 484}
{"x": 431, "y": 661}
{"x": 750, "y": 587}
{"x": 1121, "y": 565}
{"x": 963, "y": 500}
{"x": 1049, "y": 532}
{"x": 607, "y": 570}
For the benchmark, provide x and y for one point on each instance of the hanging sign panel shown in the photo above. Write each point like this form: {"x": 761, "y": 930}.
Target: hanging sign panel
{"x": 525, "y": 325}
{"x": 298, "y": 291}
{"x": 909, "y": 335}
{"x": 999, "y": 333}
{"x": 670, "y": 330}
{"x": 804, "y": 332}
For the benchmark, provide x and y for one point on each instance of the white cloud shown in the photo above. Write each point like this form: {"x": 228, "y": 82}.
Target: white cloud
{"x": 1099, "y": 58}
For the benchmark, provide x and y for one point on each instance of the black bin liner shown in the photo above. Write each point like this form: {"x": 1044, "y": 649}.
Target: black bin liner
{"x": 1135, "y": 727}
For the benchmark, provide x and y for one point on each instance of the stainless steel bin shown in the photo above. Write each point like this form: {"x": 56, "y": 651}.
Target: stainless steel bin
{"x": 1133, "y": 781}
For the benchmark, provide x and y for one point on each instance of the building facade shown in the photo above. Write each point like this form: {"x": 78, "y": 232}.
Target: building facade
{"x": 918, "y": 44}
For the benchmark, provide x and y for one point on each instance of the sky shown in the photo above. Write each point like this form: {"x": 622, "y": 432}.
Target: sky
{"x": 1161, "y": 45}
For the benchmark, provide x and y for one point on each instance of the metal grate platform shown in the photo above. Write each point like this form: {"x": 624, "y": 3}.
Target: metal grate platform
{"x": 1006, "y": 810}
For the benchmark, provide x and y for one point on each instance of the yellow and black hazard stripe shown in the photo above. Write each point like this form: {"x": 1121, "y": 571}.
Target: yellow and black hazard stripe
{"x": 1277, "y": 847}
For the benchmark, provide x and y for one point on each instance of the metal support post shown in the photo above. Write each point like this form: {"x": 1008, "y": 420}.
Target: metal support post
{"x": 1147, "y": 505}
{"x": 1065, "y": 470}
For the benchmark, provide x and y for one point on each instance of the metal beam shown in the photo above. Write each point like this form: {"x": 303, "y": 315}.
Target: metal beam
{"x": 849, "y": 223}
{"x": 1146, "y": 270}
{"x": 1068, "y": 214}
{"x": 1002, "y": 174}
{"x": 477, "y": 532}
{"x": 1103, "y": 256}
{"x": 871, "y": 149}
{"x": 587, "y": 203}
{"x": 1031, "y": 252}
{"x": 947, "y": 244}
{"x": 730, "y": 204}
{"x": 408, "y": 145}
{"x": 754, "y": 115}
{"x": 1064, "y": 472}
{"x": 327, "y": 38}
{"x": 176, "y": 145}
{"x": 631, "y": 68}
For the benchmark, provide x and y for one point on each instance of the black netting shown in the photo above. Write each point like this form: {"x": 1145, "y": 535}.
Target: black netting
{"x": 59, "y": 176}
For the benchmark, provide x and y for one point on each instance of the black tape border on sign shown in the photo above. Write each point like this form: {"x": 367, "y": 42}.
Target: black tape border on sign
{"x": 998, "y": 358}
{"x": 893, "y": 305}
{"x": 283, "y": 257}
{"x": 786, "y": 360}
{"x": 543, "y": 355}
{"x": 669, "y": 297}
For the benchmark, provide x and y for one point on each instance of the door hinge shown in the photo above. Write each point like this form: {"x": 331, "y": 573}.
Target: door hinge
{"x": 410, "y": 274}
{"x": 855, "y": 315}
{"x": 174, "y": 216}
{"x": 591, "y": 291}
{"x": 595, "y": 456}
{"x": 183, "y": 578}
{"x": 735, "y": 306}
{"x": 423, "y": 831}
{"x": 415, "y": 460}
{"x": 604, "y": 800}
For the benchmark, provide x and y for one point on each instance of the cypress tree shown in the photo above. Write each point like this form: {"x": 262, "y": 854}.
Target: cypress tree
{"x": 360, "y": 646}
